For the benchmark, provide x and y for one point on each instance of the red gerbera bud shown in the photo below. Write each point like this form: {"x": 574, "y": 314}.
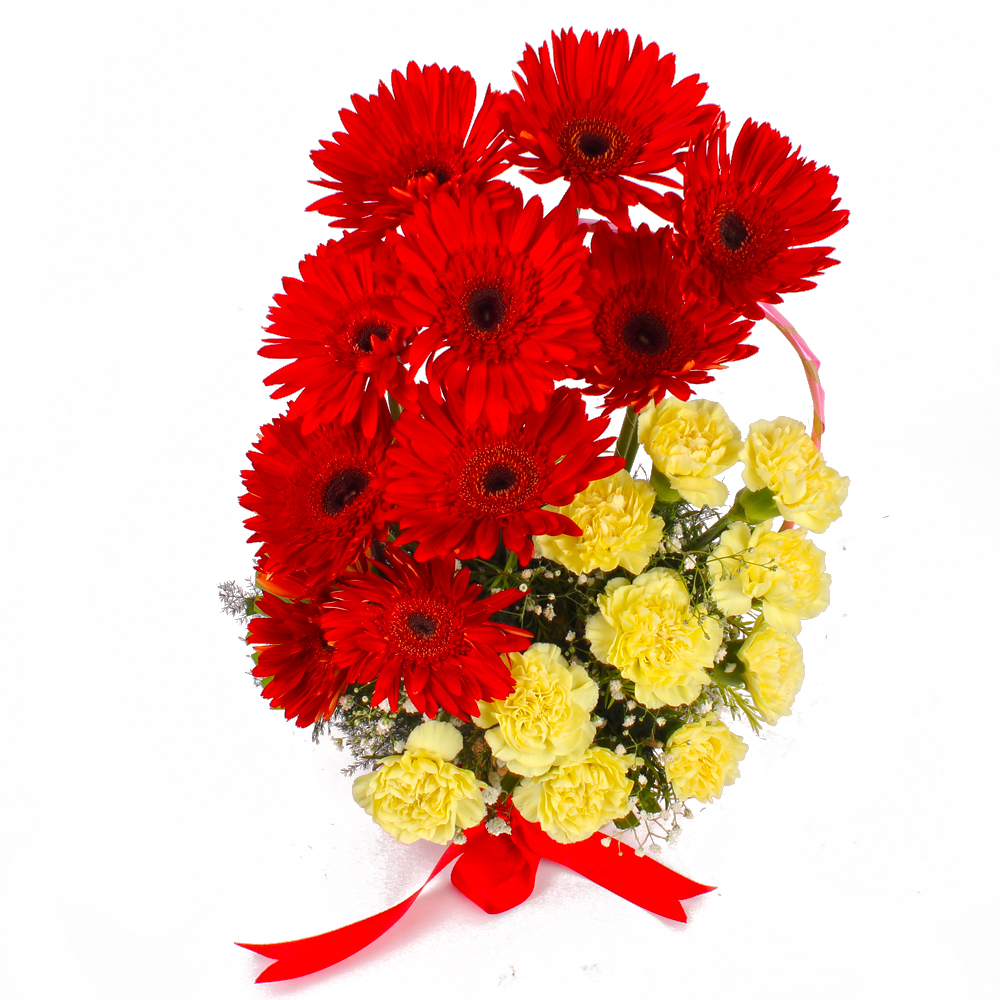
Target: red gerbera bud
{"x": 317, "y": 496}
{"x": 744, "y": 221}
{"x": 422, "y": 626}
{"x": 291, "y": 650}
{"x": 601, "y": 115}
{"x": 345, "y": 351}
{"x": 458, "y": 487}
{"x": 399, "y": 147}
{"x": 650, "y": 340}
{"x": 497, "y": 290}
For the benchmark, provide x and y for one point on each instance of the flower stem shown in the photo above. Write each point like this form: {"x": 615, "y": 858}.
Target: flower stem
{"x": 709, "y": 536}
{"x": 628, "y": 441}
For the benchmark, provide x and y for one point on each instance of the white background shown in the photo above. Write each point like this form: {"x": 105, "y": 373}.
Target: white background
{"x": 155, "y": 810}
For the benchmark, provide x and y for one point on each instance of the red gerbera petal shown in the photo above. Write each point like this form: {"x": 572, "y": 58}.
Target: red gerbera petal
{"x": 650, "y": 340}
{"x": 291, "y": 650}
{"x": 458, "y": 487}
{"x": 601, "y": 115}
{"x": 497, "y": 290}
{"x": 345, "y": 351}
{"x": 399, "y": 147}
{"x": 744, "y": 220}
{"x": 317, "y": 497}
{"x": 421, "y": 625}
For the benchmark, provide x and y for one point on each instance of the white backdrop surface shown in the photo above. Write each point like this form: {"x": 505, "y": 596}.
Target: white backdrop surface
{"x": 154, "y": 810}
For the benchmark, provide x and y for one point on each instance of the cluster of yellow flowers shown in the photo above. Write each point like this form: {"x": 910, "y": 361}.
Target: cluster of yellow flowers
{"x": 677, "y": 654}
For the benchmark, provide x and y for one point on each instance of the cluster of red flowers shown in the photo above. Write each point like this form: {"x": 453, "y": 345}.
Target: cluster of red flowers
{"x": 444, "y": 273}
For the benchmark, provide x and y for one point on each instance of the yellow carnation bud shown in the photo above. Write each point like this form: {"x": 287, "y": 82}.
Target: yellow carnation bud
{"x": 421, "y": 795}
{"x": 702, "y": 758}
{"x": 650, "y": 632}
{"x": 547, "y": 715}
{"x": 691, "y": 443}
{"x": 784, "y": 570}
{"x": 774, "y": 670}
{"x": 780, "y": 456}
{"x": 576, "y": 798}
{"x": 614, "y": 515}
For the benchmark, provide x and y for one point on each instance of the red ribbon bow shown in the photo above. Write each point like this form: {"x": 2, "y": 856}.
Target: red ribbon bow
{"x": 497, "y": 873}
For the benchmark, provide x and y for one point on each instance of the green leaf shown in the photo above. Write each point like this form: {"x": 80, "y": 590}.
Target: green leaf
{"x": 509, "y": 781}
{"x": 627, "y": 822}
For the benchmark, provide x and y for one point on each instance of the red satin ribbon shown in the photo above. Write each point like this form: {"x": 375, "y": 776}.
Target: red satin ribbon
{"x": 497, "y": 873}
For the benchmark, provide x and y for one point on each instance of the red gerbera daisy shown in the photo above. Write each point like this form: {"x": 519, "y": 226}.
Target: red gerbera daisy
{"x": 600, "y": 116}
{"x": 345, "y": 351}
{"x": 422, "y": 625}
{"x": 459, "y": 487}
{"x": 650, "y": 340}
{"x": 496, "y": 289}
{"x": 305, "y": 680}
{"x": 317, "y": 496}
{"x": 744, "y": 220}
{"x": 399, "y": 147}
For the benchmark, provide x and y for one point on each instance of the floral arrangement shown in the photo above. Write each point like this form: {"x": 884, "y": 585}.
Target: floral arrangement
{"x": 519, "y": 640}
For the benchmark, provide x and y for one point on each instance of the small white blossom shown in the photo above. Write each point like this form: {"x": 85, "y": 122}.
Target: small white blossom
{"x": 523, "y": 587}
{"x": 525, "y": 574}
{"x": 629, "y": 721}
{"x": 490, "y": 795}
{"x": 548, "y": 574}
{"x": 383, "y": 726}
{"x": 642, "y": 779}
{"x": 550, "y": 612}
{"x": 399, "y": 746}
{"x": 459, "y": 838}
{"x": 583, "y": 579}
{"x": 570, "y": 636}
{"x": 620, "y": 749}
{"x": 497, "y": 826}
{"x": 598, "y": 721}
{"x": 689, "y": 563}
{"x": 615, "y": 690}
{"x": 721, "y": 655}
{"x": 660, "y": 721}
{"x": 409, "y": 707}
{"x": 605, "y": 841}
{"x": 630, "y": 704}
{"x": 537, "y": 609}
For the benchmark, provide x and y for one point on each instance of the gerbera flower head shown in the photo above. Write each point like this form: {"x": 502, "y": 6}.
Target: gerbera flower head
{"x": 745, "y": 220}
{"x": 345, "y": 351}
{"x": 460, "y": 487}
{"x": 399, "y": 147}
{"x": 650, "y": 339}
{"x": 292, "y": 652}
{"x": 420, "y": 624}
{"x": 317, "y": 497}
{"x": 497, "y": 291}
{"x": 597, "y": 115}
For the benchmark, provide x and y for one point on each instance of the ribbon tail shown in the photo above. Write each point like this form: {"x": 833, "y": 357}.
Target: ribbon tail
{"x": 809, "y": 362}
{"x": 618, "y": 868}
{"x": 307, "y": 955}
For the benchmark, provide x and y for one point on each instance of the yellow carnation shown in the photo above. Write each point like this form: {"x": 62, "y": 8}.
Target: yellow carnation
{"x": 690, "y": 443}
{"x": 546, "y": 717}
{"x": 783, "y": 569}
{"x": 780, "y": 456}
{"x": 421, "y": 795}
{"x": 650, "y": 632}
{"x": 774, "y": 670}
{"x": 702, "y": 758}
{"x": 576, "y": 798}
{"x": 614, "y": 515}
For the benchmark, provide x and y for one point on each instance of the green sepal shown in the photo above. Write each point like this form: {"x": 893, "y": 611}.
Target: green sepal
{"x": 664, "y": 490}
{"x": 509, "y": 781}
{"x": 756, "y": 505}
{"x": 735, "y": 678}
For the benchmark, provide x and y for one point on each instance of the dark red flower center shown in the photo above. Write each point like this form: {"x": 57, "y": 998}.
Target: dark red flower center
{"x": 363, "y": 336}
{"x": 421, "y": 625}
{"x": 486, "y": 309}
{"x": 440, "y": 173}
{"x": 645, "y": 333}
{"x": 593, "y": 145}
{"x": 343, "y": 489}
{"x": 732, "y": 231}
{"x": 499, "y": 479}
